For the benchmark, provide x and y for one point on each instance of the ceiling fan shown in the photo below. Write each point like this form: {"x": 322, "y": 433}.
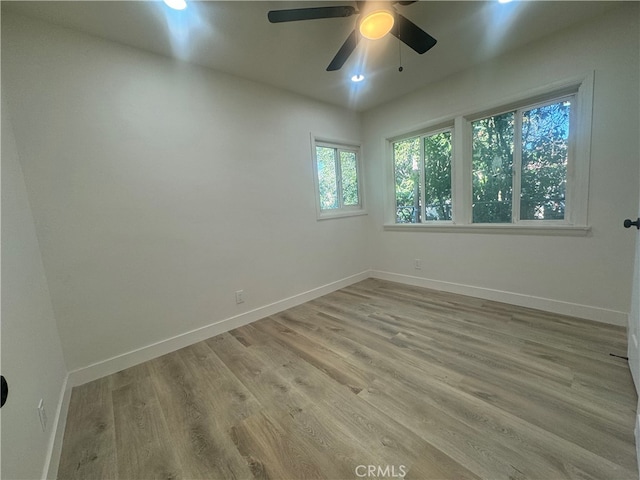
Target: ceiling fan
{"x": 375, "y": 20}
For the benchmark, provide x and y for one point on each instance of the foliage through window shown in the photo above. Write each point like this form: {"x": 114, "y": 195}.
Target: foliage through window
{"x": 422, "y": 168}
{"x": 492, "y": 153}
{"x": 337, "y": 172}
{"x": 530, "y": 165}
{"x": 545, "y": 157}
{"x": 526, "y": 164}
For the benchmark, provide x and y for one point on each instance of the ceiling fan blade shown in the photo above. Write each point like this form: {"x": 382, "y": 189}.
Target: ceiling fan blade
{"x": 343, "y": 54}
{"x": 409, "y": 33}
{"x": 295, "y": 14}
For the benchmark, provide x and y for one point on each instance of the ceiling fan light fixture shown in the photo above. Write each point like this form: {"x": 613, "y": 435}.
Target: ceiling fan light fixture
{"x": 376, "y": 24}
{"x": 176, "y": 4}
{"x": 357, "y": 78}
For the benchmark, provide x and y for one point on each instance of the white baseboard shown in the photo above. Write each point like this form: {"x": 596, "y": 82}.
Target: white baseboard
{"x": 52, "y": 461}
{"x": 149, "y": 352}
{"x": 597, "y": 314}
{"x": 143, "y": 354}
{"x": 637, "y": 435}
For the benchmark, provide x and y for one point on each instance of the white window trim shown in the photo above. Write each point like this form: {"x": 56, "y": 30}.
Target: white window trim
{"x": 427, "y": 132}
{"x": 343, "y": 211}
{"x": 576, "y": 222}
{"x": 517, "y": 156}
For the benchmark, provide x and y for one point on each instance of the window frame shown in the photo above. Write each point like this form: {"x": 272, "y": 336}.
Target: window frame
{"x": 577, "y": 193}
{"x": 516, "y": 178}
{"x": 421, "y": 135}
{"x": 339, "y": 146}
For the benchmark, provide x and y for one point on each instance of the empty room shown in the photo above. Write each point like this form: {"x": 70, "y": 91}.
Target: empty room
{"x": 320, "y": 240}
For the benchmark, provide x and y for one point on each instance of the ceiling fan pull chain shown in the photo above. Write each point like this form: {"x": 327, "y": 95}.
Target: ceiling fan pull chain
{"x": 400, "y": 53}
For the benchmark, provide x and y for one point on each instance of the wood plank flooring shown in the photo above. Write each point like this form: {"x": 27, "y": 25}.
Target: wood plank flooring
{"x": 417, "y": 384}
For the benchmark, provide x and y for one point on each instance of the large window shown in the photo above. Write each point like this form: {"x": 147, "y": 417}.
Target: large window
{"x": 337, "y": 175}
{"x": 544, "y": 159}
{"x": 522, "y": 155}
{"x": 524, "y": 165}
{"x": 422, "y": 167}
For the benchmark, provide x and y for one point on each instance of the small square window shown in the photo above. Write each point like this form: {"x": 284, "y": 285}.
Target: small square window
{"x": 338, "y": 179}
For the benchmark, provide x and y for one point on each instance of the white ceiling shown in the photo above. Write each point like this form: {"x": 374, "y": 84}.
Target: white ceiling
{"x": 236, "y": 37}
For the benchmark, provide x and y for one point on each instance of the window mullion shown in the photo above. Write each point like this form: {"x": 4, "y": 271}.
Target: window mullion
{"x": 423, "y": 192}
{"x": 517, "y": 167}
{"x": 338, "y": 176}
{"x": 461, "y": 198}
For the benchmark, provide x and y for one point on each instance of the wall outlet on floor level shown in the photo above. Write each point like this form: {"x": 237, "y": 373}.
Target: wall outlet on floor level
{"x": 417, "y": 264}
{"x": 240, "y": 296}
{"x": 42, "y": 413}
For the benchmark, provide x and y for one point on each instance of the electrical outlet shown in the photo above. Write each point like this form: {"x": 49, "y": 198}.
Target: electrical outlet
{"x": 240, "y": 296}
{"x": 417, "y": 264}
{"x": 42, "y": 413}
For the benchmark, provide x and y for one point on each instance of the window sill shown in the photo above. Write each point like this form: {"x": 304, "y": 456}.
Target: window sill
{"x": 342, "y": 214}
{"x": 550, "y": 230}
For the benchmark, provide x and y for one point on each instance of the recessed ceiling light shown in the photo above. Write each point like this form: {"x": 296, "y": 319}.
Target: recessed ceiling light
{"x": 357, "y": 78}
{"x": 176, "y": 4}
{"x": 504, "y": 1}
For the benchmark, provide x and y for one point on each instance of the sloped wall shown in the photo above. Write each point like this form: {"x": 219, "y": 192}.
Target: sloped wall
{"x": 32, "y": 360}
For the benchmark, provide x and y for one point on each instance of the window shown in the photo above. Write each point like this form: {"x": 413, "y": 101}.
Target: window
{"x": 422, "y": 169}
{"x": 529, "y": 166}
{"x": 492, "y": 152}
{"x": 544, "y": 159}
{"x": 521, "y": 167}
{"x": 337, "y": 176}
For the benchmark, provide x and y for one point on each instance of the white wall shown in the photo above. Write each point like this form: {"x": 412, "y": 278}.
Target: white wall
{"x": 590, "y": 272}
{"x": 31, "y": 356}
{"x": 159, "y": 189}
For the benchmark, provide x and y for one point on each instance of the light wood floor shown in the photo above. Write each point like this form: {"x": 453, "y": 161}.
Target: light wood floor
{"x": 436, "y": 385}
